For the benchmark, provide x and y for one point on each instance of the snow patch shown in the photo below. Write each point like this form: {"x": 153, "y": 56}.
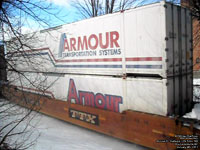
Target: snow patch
{"x": 195, "y": 114}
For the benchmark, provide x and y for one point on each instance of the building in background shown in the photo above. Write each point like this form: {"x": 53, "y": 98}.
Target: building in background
{"x": 196, "y": 39}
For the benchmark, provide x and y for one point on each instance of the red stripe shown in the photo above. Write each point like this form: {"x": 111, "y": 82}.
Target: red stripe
{"x": 32, "y": 50}
{"x": 77, "y": 60}
{"x": 144, "y": 59}
{"x": 100, "y": 59}
{"x": 35, "y": 50}
{"x": 92, "y": 60}
{"x": 52, "y": 55}
{"x": 48, "y": 92}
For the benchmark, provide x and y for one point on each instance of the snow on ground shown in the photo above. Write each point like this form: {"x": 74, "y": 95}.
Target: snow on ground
{"x": 196, "y": 96}
{"x": 54, "y": 134}
{"x": 196, "y": 81}
{"x": 60, "y": 135}
{"x": 195, "y": 114}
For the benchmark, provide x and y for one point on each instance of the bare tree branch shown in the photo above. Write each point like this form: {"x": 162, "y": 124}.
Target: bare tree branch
{"x": 93, "y": 8}
{"x": 13, "y": 15}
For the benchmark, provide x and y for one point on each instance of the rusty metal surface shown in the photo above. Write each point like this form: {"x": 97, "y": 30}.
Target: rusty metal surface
{"x": 153, "y": 131}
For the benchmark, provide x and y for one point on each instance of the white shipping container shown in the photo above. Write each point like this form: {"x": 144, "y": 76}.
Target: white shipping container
{"x": 153, "y": 40}
{"x": 152, "y": 95}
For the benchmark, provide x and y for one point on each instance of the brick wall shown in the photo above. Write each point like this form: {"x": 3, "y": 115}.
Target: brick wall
{"x": 196, "y": 38}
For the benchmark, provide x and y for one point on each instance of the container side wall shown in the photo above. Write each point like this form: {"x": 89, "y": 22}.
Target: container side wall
{"x": 176, "y": 54}
{"x": 177, "y": 94}
{"x": 169, "y": 85}
{"x": 189, "y": 61}
{"x": 137, "y": 41}
{"x": 184, "y": 94}
{"x": 189, "y": 42}
{"x": 145, "y": 40}
{"x": 184, "y": 66}
{"x": 180, "y": 100}
{"x": 169, "y": 40}
{"x": 147, "y": 95}
{"x": 176, "y": 40}
{"x": 102, "y": 92}
{"x": 190, "y": 92}
{"x": 183, "y": 36}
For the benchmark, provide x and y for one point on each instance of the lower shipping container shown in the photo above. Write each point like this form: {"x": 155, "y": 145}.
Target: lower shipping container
{"x": 164, "y": 97}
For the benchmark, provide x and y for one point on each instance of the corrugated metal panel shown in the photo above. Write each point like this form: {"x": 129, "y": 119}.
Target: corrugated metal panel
{"x": 180, "y": 94}
{"x": 177, "y": 95}
{"x": 189, "y": 54}
{"x": 176, "y": 40}
{"x": 184, "y": 98}
{"x": 169, "y": 40}
{"x": 176, "y": 56}
{"x": 183, "y": 39}
{"x": 189, "y": 91}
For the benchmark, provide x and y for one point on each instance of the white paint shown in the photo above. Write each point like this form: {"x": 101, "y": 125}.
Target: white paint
{"x": 142, "y": 32}
{"x": 149, "y": 95}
